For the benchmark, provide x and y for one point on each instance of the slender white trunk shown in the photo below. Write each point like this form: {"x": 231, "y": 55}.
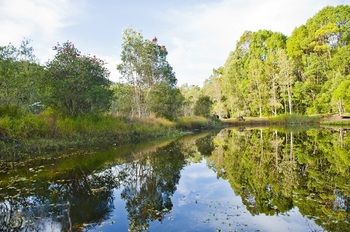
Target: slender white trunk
{"x": 290, "y": 99}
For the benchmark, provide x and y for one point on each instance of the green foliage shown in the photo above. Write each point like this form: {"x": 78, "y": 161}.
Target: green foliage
{"x": 294, "y": 119}
{"x": 196, "y": 122}
{"x": 24, "y": 126}
{"x": 203, "y": 106}
{"x": 270, "y": 74}
{"x": 144, "y": 65}
{"x": 341, "y": 96}
{"x": 21, "y": 77}
{"x": 212, "y": 88}
{"x": 10, "y": 111}
{"x": 78, "y": 83}
{"x": 191, "y": 95}
{"x": 122, "y": 99}
{"x": 165, "y": 101}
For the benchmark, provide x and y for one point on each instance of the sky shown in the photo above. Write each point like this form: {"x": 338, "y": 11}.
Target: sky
{"x": 198, "y": 34}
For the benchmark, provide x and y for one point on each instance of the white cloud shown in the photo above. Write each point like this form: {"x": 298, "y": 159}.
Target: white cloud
{"x": 201, "y": 37}
{"x": 38, "y": 20}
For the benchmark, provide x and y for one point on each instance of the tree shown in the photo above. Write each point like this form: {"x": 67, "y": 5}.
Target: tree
{"x": 191, "y": 95}
{"x": 143, "y": 66}
{"x": 341, "y": 96}
{"x": 203, "y": 106}
{"x": 315, "y": 47}
{"x": 78, "y": 83}
{"x": 165, "y": 101}
{"x": 213, "y": 88}
{"x": 285, "y": 77}
{"x": 122, "y": 99}
{"x": 269, "y": 73}
{"x": 21, "y": 77}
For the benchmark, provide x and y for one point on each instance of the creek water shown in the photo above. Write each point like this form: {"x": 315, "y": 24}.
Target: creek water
{"x": 236, "y": 179}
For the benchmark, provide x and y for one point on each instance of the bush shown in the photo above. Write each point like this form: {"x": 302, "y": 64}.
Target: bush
{"x": 11, "y": 111}
{"x": 28, "y": 125}
{"x": 194, "y": 122}
{"x": 294, "y": 119}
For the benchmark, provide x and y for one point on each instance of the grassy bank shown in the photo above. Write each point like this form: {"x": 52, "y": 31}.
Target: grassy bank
{"x": 283, "y": 119}
{"x": 24, "y": 133}
{"x": 336, "y": 120}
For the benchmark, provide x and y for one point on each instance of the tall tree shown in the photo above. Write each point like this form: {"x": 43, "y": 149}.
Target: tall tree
{"x": 79, "y": 83}
{"x": 144, "y": 65}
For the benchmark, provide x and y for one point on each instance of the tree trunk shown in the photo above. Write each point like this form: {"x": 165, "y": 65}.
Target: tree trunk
{"x": 290, "y": 99}
{"x": 274, "y": 97}
{"x": 260, "y": 104}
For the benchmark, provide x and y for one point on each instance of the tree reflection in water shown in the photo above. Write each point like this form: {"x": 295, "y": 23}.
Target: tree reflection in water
{"x": 273, "y": 171}
{"x": 149, "y": 185}
{"x": 80, "y": 198}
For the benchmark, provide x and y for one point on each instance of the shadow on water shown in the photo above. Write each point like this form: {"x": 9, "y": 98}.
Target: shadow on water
{"x": 301, "y": 174}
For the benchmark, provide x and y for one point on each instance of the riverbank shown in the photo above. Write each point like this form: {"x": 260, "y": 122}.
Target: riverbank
{"x": 291, "y": 120}
{"x": 284, "y": 119}
{"x": 336, "y": 120}
{"x": 22, "y": 134}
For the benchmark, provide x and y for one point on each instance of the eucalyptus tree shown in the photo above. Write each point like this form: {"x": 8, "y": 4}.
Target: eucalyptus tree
{"x": 143, "y": 65}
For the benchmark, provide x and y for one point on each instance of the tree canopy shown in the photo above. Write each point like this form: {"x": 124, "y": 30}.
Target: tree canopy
{"x": 269, "y": 73}
{"x": 79, "y": 83}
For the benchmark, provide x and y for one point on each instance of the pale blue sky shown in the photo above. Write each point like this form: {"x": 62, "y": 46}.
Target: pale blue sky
{"x": 198, "y": 34}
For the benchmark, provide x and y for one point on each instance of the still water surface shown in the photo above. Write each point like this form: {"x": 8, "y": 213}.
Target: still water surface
{"x": 233, "y": 180}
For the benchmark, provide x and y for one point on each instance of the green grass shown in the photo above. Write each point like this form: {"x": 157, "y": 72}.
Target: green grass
{"x": 48, "y": 126}
{"x": 196, "y": 123}
{"x": 336, "y": 122}
{"x": 295, "y": 119}
{"x": 30, "y": 133}
{"x": 283, "y": 119}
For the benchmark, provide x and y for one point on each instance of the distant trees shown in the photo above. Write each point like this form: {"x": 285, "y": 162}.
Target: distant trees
{"x": 21, "y": 77}
{"x": 165, "y": 101}
{"x": 72, "y": 83}
{"x": 122, "y": 102}
{"x": 269, "y": 73}
{"x": 203, "y": 106}
{"x": 78, "y": 83}
{"x": 191, "y": 95}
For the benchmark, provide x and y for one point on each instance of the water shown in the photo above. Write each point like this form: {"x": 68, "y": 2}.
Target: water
{"x": 234, "y": 180}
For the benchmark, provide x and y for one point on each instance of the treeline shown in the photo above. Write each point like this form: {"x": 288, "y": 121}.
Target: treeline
{"x": 269, "y": 73}
{"x": 73, "y": 84}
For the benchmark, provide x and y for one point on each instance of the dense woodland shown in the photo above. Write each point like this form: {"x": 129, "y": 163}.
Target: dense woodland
{"x": 269, "y": 73}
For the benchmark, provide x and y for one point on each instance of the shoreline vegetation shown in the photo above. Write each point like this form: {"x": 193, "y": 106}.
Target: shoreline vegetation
{"x": 290, "y": 120}
{"x": 268, "y": 79}
{"x": 24, "y": 134}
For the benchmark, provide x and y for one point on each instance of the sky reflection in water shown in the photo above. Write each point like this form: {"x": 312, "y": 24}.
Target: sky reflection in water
{"x": 255, "y": 180}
